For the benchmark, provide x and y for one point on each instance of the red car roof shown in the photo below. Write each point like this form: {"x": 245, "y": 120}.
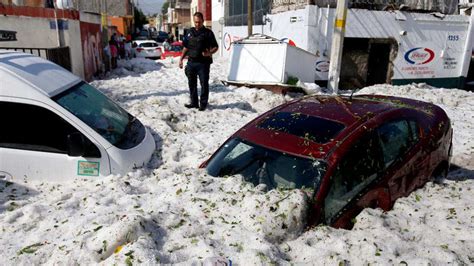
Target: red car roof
{"x": 340, "y": 111}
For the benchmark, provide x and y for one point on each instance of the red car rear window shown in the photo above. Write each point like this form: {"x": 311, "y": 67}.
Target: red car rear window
{"x": 313, "y": 128}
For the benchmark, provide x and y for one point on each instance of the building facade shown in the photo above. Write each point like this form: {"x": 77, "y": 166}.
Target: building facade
{"x": 205, "y": 7}
{"x": 179, "y": 18}
{"x": 116, "y": 13}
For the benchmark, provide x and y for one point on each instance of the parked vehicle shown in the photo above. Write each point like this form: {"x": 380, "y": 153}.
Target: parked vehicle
{"x": 348, "y": 153}
{"x": 162, "y": 36}
{"x": 147, "y": 49}
{"x": 175, "y": 50}
{"x": 152, "y": 33}
{"x": 143, "y": 35}
{"x": 56, "y": 126}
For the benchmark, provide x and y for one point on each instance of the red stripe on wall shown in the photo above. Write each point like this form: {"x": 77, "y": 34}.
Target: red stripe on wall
{"x": 208, "y": 10}
{"x": 38, "y": 12}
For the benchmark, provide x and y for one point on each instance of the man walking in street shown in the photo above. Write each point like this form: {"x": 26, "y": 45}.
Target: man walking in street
{"x": 199, "y": 45}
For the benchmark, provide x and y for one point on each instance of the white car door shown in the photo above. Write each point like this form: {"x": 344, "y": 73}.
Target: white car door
{"x": 39, "y": 143}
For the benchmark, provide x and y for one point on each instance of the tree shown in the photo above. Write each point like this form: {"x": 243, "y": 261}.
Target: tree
{"x": 164, "y": 7}
{"x": 139, "y": 18}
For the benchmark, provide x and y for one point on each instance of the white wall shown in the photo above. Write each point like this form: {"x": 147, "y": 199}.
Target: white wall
{"x": 291, "y": 25}
{"x": 258, "y": 63}
{"x": 300, "y": 64}
{"x": 73, "y": 40}
{"x": 311, "y": 29}
{"x": 36, "y": 33}
{"x": 217, "y": 9}
{"x": 194, "y": 7}
{"x": 218, "y": 29}
{"x": 422, "y": 30}
{"x": 30, "y": 32}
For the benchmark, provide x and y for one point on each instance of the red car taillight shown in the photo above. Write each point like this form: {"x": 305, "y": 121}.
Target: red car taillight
{"x": 140, "y": 49}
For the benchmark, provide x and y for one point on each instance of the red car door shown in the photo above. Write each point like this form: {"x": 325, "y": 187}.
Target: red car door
{"x": 381, "y": 166}
{"x": 358, "y": 167}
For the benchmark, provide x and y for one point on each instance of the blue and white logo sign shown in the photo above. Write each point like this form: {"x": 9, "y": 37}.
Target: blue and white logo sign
{"x": 419, "y": 56}
{"x": 322, "y": 66}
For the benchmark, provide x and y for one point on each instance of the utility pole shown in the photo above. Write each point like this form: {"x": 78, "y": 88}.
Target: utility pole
{"x": 337, "y": 45}
{"x": 249, "y": 17}
{"x": 57, "y": 24}
{"x": 468, "y": 47}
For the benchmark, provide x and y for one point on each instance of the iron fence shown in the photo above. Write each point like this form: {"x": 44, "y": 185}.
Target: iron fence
{"x": 58, "y": 55}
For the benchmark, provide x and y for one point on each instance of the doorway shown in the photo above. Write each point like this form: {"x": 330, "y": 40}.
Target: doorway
{"x": 379, "y": 59}
{"x": 367, "y": 61}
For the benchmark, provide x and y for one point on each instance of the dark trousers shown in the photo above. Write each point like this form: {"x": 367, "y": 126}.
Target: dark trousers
{"x": 192, "y": 71}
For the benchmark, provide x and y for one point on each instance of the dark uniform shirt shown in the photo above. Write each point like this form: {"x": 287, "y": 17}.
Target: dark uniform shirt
{"x": 198, "y": 41}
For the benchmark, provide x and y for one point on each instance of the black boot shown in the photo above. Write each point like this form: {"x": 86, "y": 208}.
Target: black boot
{"x": 190, "y": 105}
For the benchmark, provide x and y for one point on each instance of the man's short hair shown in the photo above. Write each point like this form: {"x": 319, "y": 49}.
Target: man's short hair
{"x": 199, "y": 15}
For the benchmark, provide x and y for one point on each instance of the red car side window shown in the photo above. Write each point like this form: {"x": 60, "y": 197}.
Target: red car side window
{"x": 397, "y": 138}
{"x": 415, "y": 131}
{"x": 356, "y": 170}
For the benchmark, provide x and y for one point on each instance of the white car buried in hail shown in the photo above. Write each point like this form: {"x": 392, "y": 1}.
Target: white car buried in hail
{"x": 57, "y": 127}
{"x": 147, "y": 49}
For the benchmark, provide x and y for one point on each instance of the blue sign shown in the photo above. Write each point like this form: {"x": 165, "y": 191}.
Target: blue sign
{"x": 62, "y": 24}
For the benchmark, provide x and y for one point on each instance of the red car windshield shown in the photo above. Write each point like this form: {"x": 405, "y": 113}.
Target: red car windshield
{"x": 176, "y": 48}
{"x": 260, "y": 165}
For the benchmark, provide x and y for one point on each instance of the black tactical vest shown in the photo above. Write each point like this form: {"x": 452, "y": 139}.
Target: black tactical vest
{"x": 196, "y": 44}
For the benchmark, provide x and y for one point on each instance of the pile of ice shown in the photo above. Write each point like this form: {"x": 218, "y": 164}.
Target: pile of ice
{"x": 173, "y": 212}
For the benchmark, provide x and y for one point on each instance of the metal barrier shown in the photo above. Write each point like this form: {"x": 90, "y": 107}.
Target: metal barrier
{"x": 59, "y": 55}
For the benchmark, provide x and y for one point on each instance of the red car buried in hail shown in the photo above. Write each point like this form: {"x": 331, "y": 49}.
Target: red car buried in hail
{"x": 348, "y": 152}
{"x": 173, "y": 50}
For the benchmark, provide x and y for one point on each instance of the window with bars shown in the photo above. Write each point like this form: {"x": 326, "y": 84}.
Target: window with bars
{"x": 236, "y": 12}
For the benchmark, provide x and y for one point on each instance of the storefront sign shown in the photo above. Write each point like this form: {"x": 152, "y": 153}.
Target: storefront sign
{"x": 322, "y": 66}
{"x": 419, "y": 56}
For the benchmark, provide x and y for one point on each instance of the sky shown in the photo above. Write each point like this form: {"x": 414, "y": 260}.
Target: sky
{"x": 150, "y": 7}
{"x": 172, "y": 212}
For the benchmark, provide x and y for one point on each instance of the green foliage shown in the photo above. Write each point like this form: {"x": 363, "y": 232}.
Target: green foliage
{"x": 292, "y": 80}
{"x": 178, "y": 225}
{"x": 129, "y": 257}
{"x": 139, "y": 18}
{"x": 98, "y": 228}
{"x": 164, "y": 7}
{"x": 377, "y": 252}
{"x": 238, "y": 246}
{"x": 29, "y": 249}
{"x": 417, "y": 197}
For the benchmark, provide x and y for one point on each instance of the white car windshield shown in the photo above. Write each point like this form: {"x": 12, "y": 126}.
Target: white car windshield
{"x": 103, "y": 115}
